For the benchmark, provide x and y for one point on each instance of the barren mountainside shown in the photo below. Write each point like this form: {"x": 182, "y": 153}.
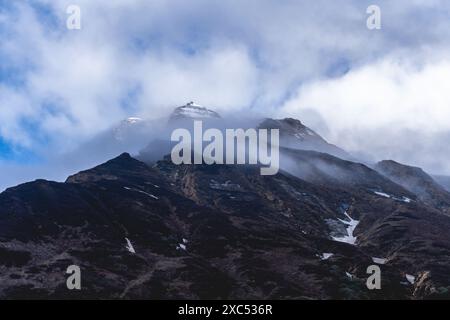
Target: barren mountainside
{"x": 155, "y": 230}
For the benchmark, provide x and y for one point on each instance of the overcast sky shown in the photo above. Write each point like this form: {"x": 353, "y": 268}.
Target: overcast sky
{"x": 381, "y": 94}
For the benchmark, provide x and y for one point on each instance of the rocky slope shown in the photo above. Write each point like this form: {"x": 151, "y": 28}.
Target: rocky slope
{"x": 154, "y": 230}
{"x": 418, "y": 182}
{"x": 294, "y": 134}
{"x": 215, "y": 232}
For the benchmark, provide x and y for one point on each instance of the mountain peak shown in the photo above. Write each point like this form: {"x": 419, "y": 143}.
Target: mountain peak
{"x": 290, "y": 126}
{"x": 125, "y": 126}
{"x": 294, "y": 134}
{"x": 132, "y": 120}
{"x": 122, "y": 165}
{"x": 192, "y": 110}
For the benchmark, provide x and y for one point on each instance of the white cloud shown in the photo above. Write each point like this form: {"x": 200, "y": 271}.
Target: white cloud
{"x": 143, "y": 58}
{"x": 87, "y": 75}
{"x": 391, "y": 108}
{"x": 224, "y": 79}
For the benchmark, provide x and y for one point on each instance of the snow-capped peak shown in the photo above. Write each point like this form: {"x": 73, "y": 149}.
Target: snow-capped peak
{"x": 132, "y": 120}
{"x": 193, "y": 111}
{"x": 193, "y": 104}
{"x": 124, "y": 126}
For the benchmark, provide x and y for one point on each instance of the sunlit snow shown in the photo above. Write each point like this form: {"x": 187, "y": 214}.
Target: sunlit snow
{"x": 411, "y": 279}
{"x": 129, "y": 246}
{"x": 146, "y": 193}
{"x": 382, "y": 194}
{"x": 385, "y": 195}
{"x": 326, "y": 256}
{"x": 349, "y": 238}
{"x": 379, "y": 260}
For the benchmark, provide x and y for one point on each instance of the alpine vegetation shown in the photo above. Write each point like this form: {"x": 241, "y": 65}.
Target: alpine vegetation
{"x": 250, "y": 146}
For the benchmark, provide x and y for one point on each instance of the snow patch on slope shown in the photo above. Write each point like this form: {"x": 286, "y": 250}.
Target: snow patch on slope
{"x": 140, "y": 191}
{"x": 411, "y": 279}
{"x": 326, "y": 256}
{"x": 382, "y": 194}
{"x": 351, "y": 225}
{"x": 379, "y": 260}
{"x": 129, "y": 246}
{"x": 389, "y": 196}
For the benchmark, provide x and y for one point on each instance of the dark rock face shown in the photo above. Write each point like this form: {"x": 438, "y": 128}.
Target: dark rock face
{"x": 222, "y": 232}
{"x": 148, "y": 229}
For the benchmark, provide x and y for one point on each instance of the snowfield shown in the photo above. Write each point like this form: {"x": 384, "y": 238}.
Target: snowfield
{"x": 349, "y": 238}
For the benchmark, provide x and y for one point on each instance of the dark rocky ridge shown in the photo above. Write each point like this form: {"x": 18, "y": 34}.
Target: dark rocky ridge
{"x": 225, "y": 231}
{"x": 246, "y": 235}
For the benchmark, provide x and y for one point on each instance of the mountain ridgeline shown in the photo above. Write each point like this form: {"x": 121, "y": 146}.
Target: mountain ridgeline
{"x": 141, "y": 227}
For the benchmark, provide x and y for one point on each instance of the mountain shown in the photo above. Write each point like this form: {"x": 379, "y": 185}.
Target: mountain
{"x": 416, "y": 181}
{"x": 198, "y": 231}
{"x": 149, "y": 139}
{"x": 181, "y": 117}
{"x": 126, "y": 127}
{"x": 294, "y": 134}
{"x": 193, "y": 111}
{"x": 327, "y": 170}
{"x": 129, "y": 135}
{"x": 149, "y": 229}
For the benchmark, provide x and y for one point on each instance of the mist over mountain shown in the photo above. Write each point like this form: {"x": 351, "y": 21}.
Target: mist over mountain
{"x": 142, "y": 227}
{"x": 322, "y": 125}
{"x": 417, "y": 181}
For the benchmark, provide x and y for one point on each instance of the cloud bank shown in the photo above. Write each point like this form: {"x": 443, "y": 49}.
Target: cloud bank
{"x": 381, "y": 94}
{"x": 389, "y": 109}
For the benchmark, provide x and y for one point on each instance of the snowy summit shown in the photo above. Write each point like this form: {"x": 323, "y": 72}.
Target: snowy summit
{"x": 193, "y": 111}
